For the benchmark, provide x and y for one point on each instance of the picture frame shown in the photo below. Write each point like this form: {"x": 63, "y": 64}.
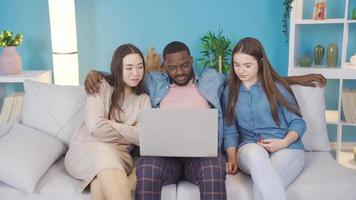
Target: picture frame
{"x": 319, "y": 10}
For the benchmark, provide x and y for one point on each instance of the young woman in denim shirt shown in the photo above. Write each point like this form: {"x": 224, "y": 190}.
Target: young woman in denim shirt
{"x": 262, "y": 113}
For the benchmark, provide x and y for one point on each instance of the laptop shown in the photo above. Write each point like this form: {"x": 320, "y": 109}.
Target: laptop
{"x": 178, "y": 132}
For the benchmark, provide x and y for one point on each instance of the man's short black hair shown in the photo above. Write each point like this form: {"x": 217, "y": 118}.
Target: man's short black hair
{"x": 175, "y": 47}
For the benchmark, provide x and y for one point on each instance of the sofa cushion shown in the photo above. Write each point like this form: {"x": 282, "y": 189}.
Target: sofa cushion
{"x": 9, "y": 193}
{"x": 25, "y": 155}
{"x": 239, "y": 186}
{"x": 56, "y": 184}
{"x": 312, "y": 106}
{"x": 57, "y": 110}
{"x": 6, "y": 127}
{"x": 58, "y": 181}
{"x": 169, "y": 192}
{"x": 321, "y": 178}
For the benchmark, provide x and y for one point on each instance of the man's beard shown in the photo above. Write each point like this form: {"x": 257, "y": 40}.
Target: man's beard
{"x": 190, "y": 77}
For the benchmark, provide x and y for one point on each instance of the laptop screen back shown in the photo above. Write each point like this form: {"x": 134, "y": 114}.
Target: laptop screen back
{"x": 179, "y": 132}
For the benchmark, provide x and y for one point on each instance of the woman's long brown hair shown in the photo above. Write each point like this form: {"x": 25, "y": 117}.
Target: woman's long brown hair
{"x": 116, "y": 79}
{"x": 266, "y": 75}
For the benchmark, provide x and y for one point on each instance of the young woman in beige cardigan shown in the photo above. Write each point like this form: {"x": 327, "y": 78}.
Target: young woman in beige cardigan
{"x": 99, "y": 153}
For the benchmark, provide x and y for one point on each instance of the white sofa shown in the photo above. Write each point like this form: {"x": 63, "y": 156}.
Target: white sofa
{"x": 58, "y": 110}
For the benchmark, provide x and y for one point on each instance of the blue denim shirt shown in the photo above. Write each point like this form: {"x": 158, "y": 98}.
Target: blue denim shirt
{"x": 209, "y": 83}
{"x": 253, "y": 118}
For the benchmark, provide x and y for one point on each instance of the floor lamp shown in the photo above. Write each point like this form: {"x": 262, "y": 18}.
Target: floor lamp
{"x": 64, "y": 42}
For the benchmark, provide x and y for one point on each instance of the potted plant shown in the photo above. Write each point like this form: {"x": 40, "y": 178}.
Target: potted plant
{"x": 10, "y": 60}
{"x": 216, "y": 50}
{"x": 285, "y": 20}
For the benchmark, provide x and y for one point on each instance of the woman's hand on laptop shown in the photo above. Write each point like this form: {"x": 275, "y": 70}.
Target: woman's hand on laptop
{"x": 231, "y": 165}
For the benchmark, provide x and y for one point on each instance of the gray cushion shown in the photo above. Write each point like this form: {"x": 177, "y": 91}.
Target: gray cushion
{"x": 57, "y": 184}
{"x": 25, "y": 155}
{"x": 322, "y": 178}
{"x": 312, "y": 106}
{"x": 55, "y": 109}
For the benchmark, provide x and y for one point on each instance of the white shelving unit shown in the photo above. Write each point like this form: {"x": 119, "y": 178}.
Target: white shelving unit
{"x": 37, "y": 75}
{"x": 344, "y": 71}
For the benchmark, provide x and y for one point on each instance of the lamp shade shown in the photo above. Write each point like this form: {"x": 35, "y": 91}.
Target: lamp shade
{"x": 63, "y": 27}
{"x": 63, "y": 67}
{"x": 64, "y": 41}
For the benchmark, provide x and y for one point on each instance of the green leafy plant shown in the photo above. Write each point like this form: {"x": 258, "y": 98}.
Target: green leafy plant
{"x": 216, "y": 49}
{"x": 8, "y": 39}
{"x": 286, "y": 15}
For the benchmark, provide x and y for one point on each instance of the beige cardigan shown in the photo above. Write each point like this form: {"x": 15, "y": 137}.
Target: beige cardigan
{"x": 97, "y": 126}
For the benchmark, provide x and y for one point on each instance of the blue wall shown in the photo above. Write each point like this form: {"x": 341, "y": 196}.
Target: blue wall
{"x": 103, "y": 25}
{"x": 31, "y": 18}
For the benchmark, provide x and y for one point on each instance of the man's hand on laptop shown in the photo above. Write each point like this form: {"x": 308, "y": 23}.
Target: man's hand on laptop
{"x": 231, "y": 165}
{"x": 92, "y": 82}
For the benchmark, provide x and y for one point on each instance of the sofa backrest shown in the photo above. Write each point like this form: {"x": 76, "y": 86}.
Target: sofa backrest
{"x": 312, "y": 105}
{"x": 59, "y": 111}
{"x": 56, "y": 110}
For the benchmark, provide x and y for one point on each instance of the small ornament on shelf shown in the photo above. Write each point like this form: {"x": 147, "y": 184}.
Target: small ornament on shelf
{"x": 319, "y": 10}
{"x": 318, "y": 54}
{"x": 332, "y": 55}
{"x": 305, "y": 61}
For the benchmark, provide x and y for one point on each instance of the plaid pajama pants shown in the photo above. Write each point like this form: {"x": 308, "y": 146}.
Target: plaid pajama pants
{"x": 155, "y": 172}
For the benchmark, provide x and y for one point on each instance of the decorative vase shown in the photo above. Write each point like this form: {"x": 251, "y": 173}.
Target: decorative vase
{"x": 331, "y": 55}
{"x": 318, "y": 54}
{"x": 353, "y": 60}
{"x": 10, "y": 61}
{"x": 305, "y": 61}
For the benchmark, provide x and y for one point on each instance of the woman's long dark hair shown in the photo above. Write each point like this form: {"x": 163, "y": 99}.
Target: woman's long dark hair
{"x": 116, "y": 79}
{"x": 266, "y": 74}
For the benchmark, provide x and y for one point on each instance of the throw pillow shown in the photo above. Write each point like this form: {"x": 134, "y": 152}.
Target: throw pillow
{"x": 25, "y": 155}
{"x": 54, "y": 109}
{"x": 312, "y": 106}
